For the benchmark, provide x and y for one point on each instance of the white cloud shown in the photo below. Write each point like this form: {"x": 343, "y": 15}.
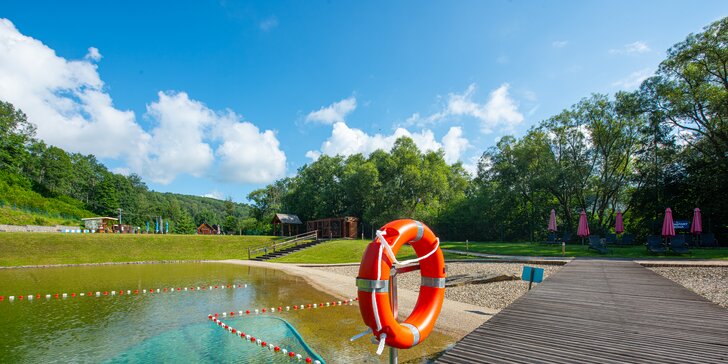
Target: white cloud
{"x": 334, "y": 113}
{"x": 214, "y": 194}
{"x": 93, "y": 54}
{"x": 67, "y": 101}
{"x": 177, "y": 144}
{"x": 559, "y": 43}
{"x": 633, "y": 80}
{"x": 124, "y": 171}
{"x": 346, "y": 141}
{"x": 499, "y": 111}
{"x": 268, "y": 24}
{"x": 471, "y": 165}
{"x": 454, "y": 144}
{"x": 249, "y": 155}
{"x": 313, "y": 155}
{"x": 631, "y": 48}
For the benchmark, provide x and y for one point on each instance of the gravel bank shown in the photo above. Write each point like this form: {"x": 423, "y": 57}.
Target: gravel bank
{"x": 492, "y": 295}
{"x": 709, "y": 282}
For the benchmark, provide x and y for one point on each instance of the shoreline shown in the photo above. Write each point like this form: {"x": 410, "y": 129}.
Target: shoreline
{"x": 457, "y": 319}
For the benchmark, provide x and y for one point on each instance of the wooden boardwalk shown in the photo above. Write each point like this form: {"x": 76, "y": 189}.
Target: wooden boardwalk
{"x": 601, "y": 312}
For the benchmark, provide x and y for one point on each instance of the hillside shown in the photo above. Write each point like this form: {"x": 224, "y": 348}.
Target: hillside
{"x": 20, "y": 205}
{"x": 44, "y": 185}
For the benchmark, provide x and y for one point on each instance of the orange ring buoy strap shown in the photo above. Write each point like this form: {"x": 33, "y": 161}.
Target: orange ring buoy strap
{"x": 373, "y": 283}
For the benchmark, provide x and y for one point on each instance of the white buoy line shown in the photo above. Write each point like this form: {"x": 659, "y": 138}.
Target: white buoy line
{"x": 121, "y": 292}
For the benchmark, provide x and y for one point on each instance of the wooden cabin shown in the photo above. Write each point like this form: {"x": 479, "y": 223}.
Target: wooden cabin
{"x": 286, "y": 224}
{"x": 345, "y": 227}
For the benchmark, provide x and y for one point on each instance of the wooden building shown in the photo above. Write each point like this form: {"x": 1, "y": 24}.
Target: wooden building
{"x": 99, "y": 224}
{"x": 207, "y": 229}
{"x": 346, "y": 227}
{"x": 286, "y": 224}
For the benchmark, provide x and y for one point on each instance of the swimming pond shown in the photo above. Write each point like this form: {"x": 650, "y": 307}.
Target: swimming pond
{"x": 173, "y": 326}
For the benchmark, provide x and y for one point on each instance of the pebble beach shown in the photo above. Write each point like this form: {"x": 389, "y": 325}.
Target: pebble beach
{"x": 495, "y": 295}
{"x": 709, "y": 282}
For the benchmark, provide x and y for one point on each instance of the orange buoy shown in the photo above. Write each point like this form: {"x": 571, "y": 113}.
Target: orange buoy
{"x": 373, "y": 283}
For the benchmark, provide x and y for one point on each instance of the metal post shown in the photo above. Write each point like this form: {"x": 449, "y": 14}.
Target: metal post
{"x": 563, "y": 248}
{"x": 393, "y": 304}
{"x": 530, "y": 279}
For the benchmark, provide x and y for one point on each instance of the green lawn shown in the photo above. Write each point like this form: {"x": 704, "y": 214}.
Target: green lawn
{"x": 345, "y": 251}
{"x": 576, "y": 250}
{"x": 57, "y": 248}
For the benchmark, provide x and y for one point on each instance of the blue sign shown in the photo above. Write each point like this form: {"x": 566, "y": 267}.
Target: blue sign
{"x": 681, "y": 224}
{"x": 531, "y": 274}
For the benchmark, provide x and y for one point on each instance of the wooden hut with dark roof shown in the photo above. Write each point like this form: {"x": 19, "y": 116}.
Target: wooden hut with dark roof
{"x": 286, "y": 224}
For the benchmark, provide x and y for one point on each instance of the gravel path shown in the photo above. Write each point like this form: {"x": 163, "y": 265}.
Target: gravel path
{"x": 709, "y": 282}
{"x": 492, "y": 295}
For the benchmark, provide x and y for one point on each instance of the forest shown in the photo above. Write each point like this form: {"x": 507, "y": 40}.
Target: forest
{"x": 662, "y": 145}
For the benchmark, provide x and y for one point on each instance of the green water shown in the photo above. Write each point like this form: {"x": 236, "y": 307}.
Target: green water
{"x": 173, "y": 327}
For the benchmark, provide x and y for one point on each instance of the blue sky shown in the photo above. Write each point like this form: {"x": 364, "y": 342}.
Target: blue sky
{"x": 219, "y": 98}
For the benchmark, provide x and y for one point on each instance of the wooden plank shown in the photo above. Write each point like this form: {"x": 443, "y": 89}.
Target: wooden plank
{"x": 595, "y": 311}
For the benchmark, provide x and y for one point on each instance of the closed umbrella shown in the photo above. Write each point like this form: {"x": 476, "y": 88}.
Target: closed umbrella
{"x": 618, "y": 223}
{"x": 668, "y": 229}
{"x": 583, "y": 230}
{"x": 552, "y": 221}
{"x": 697, "y": 226}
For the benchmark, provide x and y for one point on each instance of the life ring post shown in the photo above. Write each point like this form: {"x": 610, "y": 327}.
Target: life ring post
{"x": 393, "y": 352}
{"x": 377, "y": 285}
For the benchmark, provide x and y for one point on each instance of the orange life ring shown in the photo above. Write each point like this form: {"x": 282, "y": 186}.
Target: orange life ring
{"x": 373, "y": 284}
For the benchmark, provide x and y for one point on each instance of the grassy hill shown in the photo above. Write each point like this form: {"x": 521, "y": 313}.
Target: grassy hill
{"x": 56, "y": 248}
{"x": 20, "y": 205}
{"x": 10, "y": 216}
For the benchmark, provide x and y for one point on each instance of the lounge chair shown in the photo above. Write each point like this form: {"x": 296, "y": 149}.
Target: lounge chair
{"x": 551, "y": 239}
{"x": 595, "y": 242}
{"x": 611, "y": 239}
{"x": 707, "y": 240}
{"x": 678, "y": 245}
{"x": 654, "y": 245}
{"x": 627, "y": 239}
{"x": 690, "y": 241}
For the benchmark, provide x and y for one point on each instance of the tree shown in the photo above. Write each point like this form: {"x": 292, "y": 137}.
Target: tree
{"x": 184, "y": 224}
{"x": 16, "y": 133}
{"x": 690, "y": 89}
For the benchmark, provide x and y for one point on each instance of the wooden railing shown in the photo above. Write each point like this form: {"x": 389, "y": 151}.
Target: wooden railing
{"x": 291, "y": 241}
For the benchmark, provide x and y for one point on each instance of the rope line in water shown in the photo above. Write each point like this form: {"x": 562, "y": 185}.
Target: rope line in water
{"x": 128, "y": 292}
{"x": 262, "y": 344}
{"x": 284, "y": 308}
